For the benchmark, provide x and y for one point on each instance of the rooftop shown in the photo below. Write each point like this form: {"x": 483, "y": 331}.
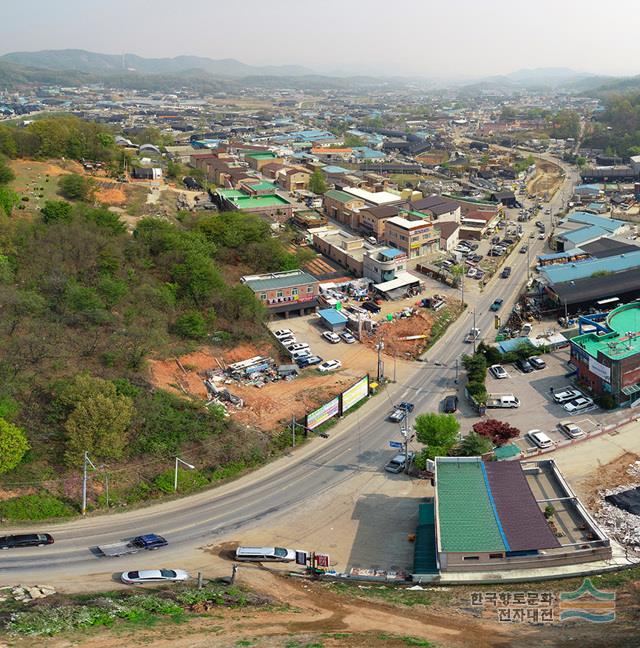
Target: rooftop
{"x": 375, "y": 198}
{"x": 466, "y": 517}
{"x": 250, "y": 202}
{"x": 624, "y": 339}
{"x": 488, "y": 507}
{"x": 276, "y": 280}
{"x": 340, "y": 196}
{"x": 582, "y": 269}
{"x": 405, "y": 223}
{"x": 608, "y": 224}
{"x": 333, "y": 316}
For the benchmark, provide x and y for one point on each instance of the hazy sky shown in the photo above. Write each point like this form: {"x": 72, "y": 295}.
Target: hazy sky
{"x": 426, "y": 37}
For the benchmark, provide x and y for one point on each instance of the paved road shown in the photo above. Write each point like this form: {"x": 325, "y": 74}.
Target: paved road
{"x": 359, "y": 442}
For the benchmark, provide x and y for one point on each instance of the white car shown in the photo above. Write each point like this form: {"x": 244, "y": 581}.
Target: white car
{"x": 347, "y": 337}
{"x": 540, "y": 438}
{"x": 154, "y": 576}
{"x": 329, "y": 336}
{"x": 329, "y": 365}
{"x": 283, "y": 334}
{"x": 566, "y": 395}
{"x": 578, "y": 404}
{"x": 498, "y": 371}
{"x": 297, "y": 346}
{"x": 572, "y": 430}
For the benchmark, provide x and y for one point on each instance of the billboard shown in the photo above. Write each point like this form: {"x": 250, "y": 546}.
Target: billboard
{"x": 599, "y": 369}
{"x": 355, "y": 394}
{"x": 323, "y": 413}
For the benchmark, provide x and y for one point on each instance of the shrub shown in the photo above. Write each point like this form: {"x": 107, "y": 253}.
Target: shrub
{"x": 35, "y": 507}
{"x": 606, "y": 401}
{"x": 549, "y": 511}
{"x": 477, "y": 391}
{"x": 13, "y": 445}
{"x": 191, "y": 325}
{"x": 498, "y": 431}
{"x": 75, "y": 187}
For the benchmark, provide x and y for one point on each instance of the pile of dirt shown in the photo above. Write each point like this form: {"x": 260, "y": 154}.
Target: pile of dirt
{"x": 109, "y": 193}
{"x": 394, "y": 334}
{"x": 547, "y": 178}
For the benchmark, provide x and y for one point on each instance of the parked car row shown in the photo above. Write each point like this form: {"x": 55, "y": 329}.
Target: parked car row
{"x": 302, "y": 355}
{"x": 573, "y": 400}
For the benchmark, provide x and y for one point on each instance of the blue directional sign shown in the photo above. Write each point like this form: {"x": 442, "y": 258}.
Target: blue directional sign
{"x": 396, "y": 444}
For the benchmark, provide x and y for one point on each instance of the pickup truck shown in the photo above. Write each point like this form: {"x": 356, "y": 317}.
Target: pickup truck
{"x": 150, "y": 541}
{"x": 504, "y": 400}
{"x": 472, "y": 335}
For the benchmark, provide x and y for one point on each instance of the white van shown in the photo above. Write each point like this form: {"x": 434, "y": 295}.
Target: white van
{"x": 265, "y": 554}
{"x": 540, "y": 438}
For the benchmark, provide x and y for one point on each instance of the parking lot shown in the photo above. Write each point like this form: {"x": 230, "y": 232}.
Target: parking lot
{"x": 308, "y": 329}
{"x": 537, "y": 408}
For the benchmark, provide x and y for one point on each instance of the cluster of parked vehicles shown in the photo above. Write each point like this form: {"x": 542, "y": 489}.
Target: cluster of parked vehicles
{"x": 302, "y": 355}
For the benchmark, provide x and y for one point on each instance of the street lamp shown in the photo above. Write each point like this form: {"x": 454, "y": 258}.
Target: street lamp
{"x": 87, "y": 462}
{"x": 186, "y": 465}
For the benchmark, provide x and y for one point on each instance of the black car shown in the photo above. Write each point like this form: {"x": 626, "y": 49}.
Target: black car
{"x": 524, "y": 365}
{"x": 450, "y": 404}
{"x": 506, "y": 273}
{"x": 25, "y": 540}
{"x": 406, "y": 406}
{"x": 508, "y": 241}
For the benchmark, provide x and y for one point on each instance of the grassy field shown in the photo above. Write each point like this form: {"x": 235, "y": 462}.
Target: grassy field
{"x": 37, "y": 182}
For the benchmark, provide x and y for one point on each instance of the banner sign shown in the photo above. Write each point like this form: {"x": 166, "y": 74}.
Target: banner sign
{"x": 355, "y": 394}
{"x": 323, "y": 413}
{"x": 599, "y": 369}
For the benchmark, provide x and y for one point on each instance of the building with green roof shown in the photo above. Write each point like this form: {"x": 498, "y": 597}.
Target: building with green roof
{"x": 293, "y": 292}
{"x": 609, "y": 359}
{"x": 270, "y": 205}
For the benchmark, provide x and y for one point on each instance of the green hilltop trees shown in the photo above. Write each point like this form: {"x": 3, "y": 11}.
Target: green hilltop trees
{"x": 13, "y": 445}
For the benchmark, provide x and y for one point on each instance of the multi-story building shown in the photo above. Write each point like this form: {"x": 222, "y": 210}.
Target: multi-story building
{"x": 413, "y": 236}
{"x": 294, "y": 292}
{"x": 608, "y": 361}
{"x": 343, "y": 207}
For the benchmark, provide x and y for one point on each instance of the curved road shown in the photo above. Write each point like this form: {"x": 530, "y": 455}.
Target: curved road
{"x": 355, "y": 443}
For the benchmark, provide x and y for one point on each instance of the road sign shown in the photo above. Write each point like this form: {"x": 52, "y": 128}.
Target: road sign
{"x": 396, "y": 444}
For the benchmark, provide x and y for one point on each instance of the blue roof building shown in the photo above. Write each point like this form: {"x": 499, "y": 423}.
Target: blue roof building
{"x": 556, "y": 274}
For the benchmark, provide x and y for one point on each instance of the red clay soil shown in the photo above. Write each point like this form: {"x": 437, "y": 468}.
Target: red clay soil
{"x": 265, "y": 408}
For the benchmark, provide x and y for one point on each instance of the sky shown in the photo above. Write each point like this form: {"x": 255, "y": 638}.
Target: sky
{"x": 440, "y": 39}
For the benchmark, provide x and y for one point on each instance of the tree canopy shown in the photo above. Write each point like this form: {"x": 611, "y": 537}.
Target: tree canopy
{"x": 13, "y": 445}
{"x": 439, "y": 432}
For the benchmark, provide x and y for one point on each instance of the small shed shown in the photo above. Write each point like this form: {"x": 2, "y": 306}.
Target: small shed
{"x": 332, "y": 319}
{"x": 288, "y": 370}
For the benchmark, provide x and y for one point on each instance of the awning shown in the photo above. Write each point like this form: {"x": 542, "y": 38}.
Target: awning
{"x": 403, "y": 279}
{"x": 631, "y": 389}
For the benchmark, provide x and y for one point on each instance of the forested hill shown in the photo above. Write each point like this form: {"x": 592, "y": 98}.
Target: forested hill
{"x": 85, "y": 303}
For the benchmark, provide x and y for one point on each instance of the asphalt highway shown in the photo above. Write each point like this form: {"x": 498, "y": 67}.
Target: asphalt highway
{"x": 359, "y": 442}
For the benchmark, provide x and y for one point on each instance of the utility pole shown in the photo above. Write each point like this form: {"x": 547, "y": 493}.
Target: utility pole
{"x": 456, "y": 381}
{"x": 379, "y": 349}
{"x": 106, "y": 487}
{"x": 87, "y": 462}
{"x": 293, "y": 430}
{"x": 175, "y": 478}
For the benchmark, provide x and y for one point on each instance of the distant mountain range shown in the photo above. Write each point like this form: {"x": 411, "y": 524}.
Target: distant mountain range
{"x": 78, "y": 67}
{"x": 540, "y": 79}
{"x": 76, "y": 60}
